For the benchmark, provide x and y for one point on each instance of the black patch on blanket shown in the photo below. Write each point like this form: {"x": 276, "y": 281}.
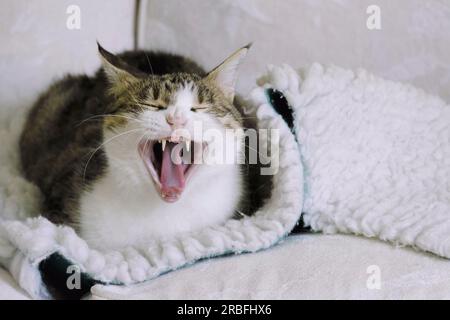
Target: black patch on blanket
{"x": 281, "y": 105}
{"x": 58, "y": 273}
{"x": 300, "y": 227}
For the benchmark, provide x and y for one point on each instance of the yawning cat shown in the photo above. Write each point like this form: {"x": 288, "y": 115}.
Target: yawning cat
{"x": 117, "y": 156}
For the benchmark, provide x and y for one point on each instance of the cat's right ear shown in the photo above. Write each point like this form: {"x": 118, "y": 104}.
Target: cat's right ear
{"x": 115, "y": 68}
{"x": 224, "y": 75}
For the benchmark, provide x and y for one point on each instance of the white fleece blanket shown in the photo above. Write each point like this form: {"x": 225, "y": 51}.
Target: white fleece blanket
{"x": 376, "y": 156}
{"x": 376, "y": 160}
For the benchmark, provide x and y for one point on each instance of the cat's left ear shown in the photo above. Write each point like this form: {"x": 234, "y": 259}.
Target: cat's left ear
{"x": 224, "y": 75}
{"x": 116, "y": 70}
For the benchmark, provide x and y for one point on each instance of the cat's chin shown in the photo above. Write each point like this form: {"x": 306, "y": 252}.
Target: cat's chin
{"x": 171, "y": 164}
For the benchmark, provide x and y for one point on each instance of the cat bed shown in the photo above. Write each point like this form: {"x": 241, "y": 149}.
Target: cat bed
{"x": 372, "y": 158}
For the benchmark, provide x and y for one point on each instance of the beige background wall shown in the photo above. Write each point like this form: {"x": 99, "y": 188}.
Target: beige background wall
{"x": 413, "y": 44}
{"x": 37, "y": 47}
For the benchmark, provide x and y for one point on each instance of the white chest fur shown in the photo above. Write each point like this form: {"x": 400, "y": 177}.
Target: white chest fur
{"x": 114, "y": 216}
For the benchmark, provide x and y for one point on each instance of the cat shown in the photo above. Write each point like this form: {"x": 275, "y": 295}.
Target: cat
{"x": 114, "y": 154}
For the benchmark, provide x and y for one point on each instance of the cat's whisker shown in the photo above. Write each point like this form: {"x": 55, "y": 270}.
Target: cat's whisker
{"x": 146, "y": 145}
{"x": 103, "y": 144}
{"x": 259, "y": 153}
{"x": 94, "y": 117}
{"x": 107, "y": 115}
{"x": 248, "y": 128}
{"x": 243, "y": 118}
{"x": 138, "y": 104}
{"x": 149, "y": 64}
{"x": 140, "y": 138}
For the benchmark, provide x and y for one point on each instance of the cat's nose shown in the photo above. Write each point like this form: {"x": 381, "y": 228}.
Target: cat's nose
{"x": 177, "y": 120}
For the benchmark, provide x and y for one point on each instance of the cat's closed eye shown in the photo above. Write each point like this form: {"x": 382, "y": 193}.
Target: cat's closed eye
{"x": 154, "y": 107}
{"x": 198, "y": 108}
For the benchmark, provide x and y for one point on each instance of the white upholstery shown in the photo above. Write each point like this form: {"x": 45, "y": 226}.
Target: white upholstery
{"x": 37, "y": 47}
{"x": 310, "y": 266}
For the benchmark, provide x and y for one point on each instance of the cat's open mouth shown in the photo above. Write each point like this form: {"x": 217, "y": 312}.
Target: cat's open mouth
{"x": 170, "y": 164}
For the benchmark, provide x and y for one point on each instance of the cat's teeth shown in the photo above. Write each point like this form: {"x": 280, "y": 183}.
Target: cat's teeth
{"x": 188, "y": 145}
{"x": 163, "y": 144}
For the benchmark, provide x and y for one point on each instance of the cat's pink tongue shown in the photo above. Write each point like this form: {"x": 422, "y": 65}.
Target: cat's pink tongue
{"x": 172, "y": 175}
